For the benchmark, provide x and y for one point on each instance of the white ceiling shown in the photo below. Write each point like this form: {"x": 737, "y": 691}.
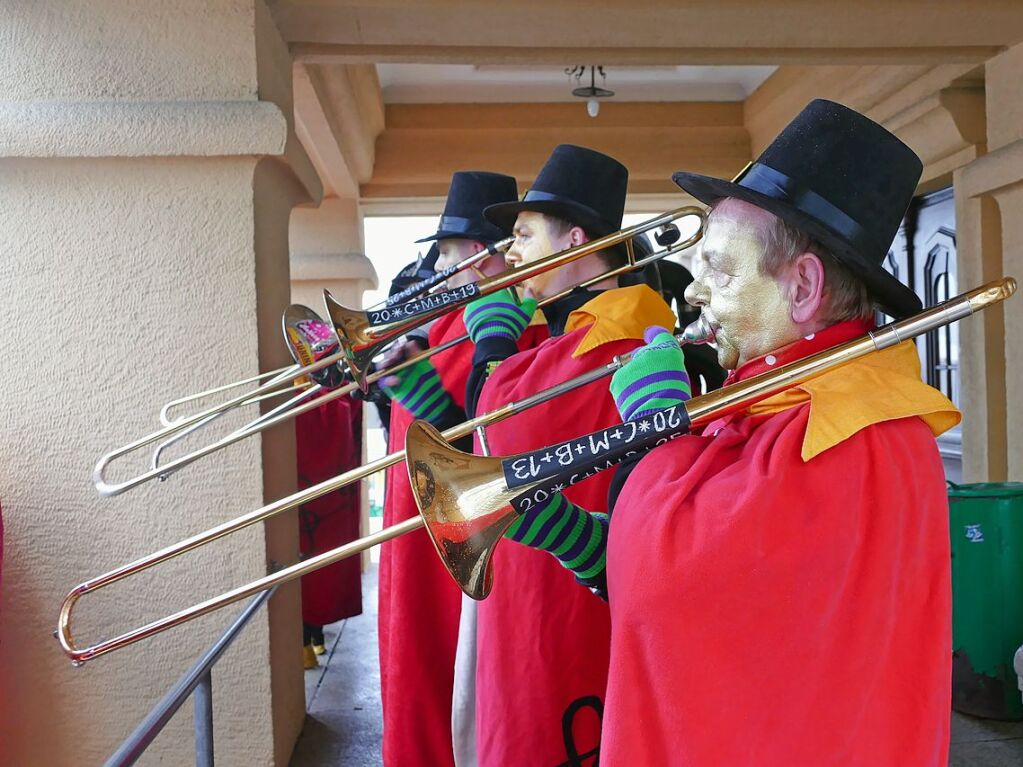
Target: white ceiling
{"x": 457, "y": 83}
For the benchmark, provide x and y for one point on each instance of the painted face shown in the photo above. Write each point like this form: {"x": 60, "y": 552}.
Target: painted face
{"x": 535, "y": 240}
{"x": 749, "y": 310}
{"x": 454, "y": 250}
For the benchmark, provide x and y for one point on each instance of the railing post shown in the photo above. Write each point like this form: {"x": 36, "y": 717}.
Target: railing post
{"x": 195, "y": 683}
{"x": 202, "y": 703}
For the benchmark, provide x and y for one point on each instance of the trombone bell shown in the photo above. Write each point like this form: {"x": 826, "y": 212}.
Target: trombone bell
{"x": 351, "y": 326}
{"x": 464, "y": 503}
{"x": 309, "y": 339}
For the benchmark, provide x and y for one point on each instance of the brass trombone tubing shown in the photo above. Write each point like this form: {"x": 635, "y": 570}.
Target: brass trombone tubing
{"x": 279, "y": 374}
{"x": 282, "y": 374}
{"x": 308, "y": 388}
{"x": 81, "y": 655}
{"x": 110, "y": 489}
{"x": 701, "y": 410}
{"x": 115, "y": 488}
{"x": 433, "y": 282}
{"x": 361, "y": 333}
{"x": 477, "y": 497}
{"x": 265, "y": 512}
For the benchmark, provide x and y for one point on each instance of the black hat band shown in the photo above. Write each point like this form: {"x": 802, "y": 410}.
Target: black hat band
{"x": 776, "y": 185}
{"x": 454, "y": 224}
{"x": 535, "y": 195}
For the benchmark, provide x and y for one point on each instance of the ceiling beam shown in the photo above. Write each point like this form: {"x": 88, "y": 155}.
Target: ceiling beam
{"x": 423, "y": 144}
{"x": 688, "y": 56}
{"x": 654, "y": 32}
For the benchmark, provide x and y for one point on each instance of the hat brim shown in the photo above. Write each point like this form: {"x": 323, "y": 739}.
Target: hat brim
{"x": 894, "y": 298}
{"x": 503, "y": 215}
{"x": 476, "y": 234}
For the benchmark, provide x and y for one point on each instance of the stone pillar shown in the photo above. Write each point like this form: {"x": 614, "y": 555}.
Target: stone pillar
{"x": 147, "y": 173}
{"x": 989, "y": 193}
{"x": 327, "y": 252}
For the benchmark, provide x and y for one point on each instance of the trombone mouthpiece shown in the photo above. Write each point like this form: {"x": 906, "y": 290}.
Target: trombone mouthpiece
{"x": 991, "y": 293}
{"x": 699, "y": 332}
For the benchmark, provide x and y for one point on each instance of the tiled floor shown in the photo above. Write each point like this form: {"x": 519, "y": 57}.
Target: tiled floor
{"x": 343, "y": 726}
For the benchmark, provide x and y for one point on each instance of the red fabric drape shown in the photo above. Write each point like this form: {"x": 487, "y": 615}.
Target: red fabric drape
{"x": 774, "y": 612}
{"x": 419, "y": 603}
{"x": 329, "y": 441}
{"x": 543, "y": 639}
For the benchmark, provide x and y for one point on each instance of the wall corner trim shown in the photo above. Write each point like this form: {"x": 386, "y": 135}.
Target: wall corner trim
{"x": 49, "y": 129}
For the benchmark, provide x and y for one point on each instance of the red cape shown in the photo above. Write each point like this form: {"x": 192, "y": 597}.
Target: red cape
{"x": 419, "y": 603}
{"x": 773, "y": 612}
{"x": 329, "y": 442}
{"x": 543, "y": 639}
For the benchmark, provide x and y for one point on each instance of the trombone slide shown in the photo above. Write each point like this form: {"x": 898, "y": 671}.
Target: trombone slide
{"x": 362, "y": 333}
{"x": 468, "y": 501}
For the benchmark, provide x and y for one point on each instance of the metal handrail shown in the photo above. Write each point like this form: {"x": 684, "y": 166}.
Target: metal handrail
{"x": 197, "y": 679}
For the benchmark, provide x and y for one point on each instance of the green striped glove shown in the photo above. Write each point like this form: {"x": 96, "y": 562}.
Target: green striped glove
{"x": 655, "y": 377}
{"x": 498, "y": 315}
{"x": 418, "y": 389}
{"x": 576, "y": 537}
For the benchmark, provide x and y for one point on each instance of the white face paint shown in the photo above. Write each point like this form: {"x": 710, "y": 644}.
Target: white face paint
{"x": 749, "y": 311}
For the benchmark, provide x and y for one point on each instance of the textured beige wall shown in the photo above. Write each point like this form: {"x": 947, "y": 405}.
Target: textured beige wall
{"x": 989, "y": 195}
{"x": 981, "y": 340}
{"x": 1005, "y": 104}
{"x": 186, "y": 50}
{"x": 327, "y": 252}
{"x": 122, "y": 280}
{"x": 145, "y": 194}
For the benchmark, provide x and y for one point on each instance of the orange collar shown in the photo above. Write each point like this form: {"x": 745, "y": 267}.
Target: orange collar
{"x": 619, "y": 314}
{"x": 883, "y": 386}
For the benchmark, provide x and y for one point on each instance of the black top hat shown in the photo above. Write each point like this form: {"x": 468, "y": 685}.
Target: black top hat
{"x": 842, "y": 179}
{"x": 420, "y": 269}
{"x": 470, "y": 192}
{"x": 577, "y": 184}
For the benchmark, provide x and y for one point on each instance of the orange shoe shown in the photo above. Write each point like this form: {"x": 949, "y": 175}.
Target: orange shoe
{"x": 309, "y": 657}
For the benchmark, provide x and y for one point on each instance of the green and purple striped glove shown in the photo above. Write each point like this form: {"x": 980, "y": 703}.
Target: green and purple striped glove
{"x": 577, "y": 538}
{"x": 655, "y": 377}
{"x": 418, "y": 389}
{"x": 498, "y": 315}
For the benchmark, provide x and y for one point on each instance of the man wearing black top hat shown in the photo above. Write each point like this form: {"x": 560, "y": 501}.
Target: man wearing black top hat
{"x": 418, "y": 608}
{"x": 779, "y": 584}
{"x": 542, "y": 647}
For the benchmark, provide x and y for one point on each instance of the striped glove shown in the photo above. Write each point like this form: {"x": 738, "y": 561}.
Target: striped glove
{"x": 418, "y": 389}
{"x": 655, "y": 377}
{"x": 498, "y": 315}
{"x": 576, "y": 537}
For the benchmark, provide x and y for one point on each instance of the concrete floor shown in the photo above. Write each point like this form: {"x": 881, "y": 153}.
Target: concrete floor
{"x": 344, "y": 721}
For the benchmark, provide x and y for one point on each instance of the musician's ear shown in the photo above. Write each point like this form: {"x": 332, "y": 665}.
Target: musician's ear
{"x": 805, "y": 277}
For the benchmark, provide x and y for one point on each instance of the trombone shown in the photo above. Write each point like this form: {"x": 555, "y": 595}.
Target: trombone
{"x": 669, "y": 238}
{"x": 363, "y": 333}
{"x": 64, "y": 633}
{"x": 464, "y": 499}
{"x": 288, "y": 372}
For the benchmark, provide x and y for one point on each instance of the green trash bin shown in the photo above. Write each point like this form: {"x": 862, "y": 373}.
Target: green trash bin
{"x": 987, "y": 597}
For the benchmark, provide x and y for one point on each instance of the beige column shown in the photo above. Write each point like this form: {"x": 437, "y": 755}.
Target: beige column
{"x": 147, "y": 174}
{"x": 327, "y": 253}
{"x": 990, "y": 196}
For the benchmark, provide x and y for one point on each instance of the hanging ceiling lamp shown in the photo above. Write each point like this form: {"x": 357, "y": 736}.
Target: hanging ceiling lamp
{"x": 589, "y": 92}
